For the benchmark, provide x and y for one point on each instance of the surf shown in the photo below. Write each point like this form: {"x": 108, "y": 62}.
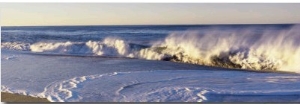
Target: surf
{"x": 245, "y": 48}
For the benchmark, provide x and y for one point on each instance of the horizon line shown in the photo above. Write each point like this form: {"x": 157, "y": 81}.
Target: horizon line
{"x": 154, "y": 24}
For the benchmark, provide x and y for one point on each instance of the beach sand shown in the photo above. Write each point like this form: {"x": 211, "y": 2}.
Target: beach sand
{"x": 8, "y": 97}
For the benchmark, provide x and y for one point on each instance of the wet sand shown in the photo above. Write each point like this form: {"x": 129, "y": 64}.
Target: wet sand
{"x": 8, "y": 97}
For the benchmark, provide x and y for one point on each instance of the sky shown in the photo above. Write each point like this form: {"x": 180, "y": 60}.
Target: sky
{"x": 37, "y": 14}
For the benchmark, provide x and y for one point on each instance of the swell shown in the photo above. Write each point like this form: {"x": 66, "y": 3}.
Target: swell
{"x": 245, "y": 48}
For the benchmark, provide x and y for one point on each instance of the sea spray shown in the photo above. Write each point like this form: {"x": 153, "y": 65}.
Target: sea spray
{"x": 246, "y": 49}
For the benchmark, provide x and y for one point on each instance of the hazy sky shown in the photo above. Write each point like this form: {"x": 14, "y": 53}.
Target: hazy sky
{"x": 129, "y": 13}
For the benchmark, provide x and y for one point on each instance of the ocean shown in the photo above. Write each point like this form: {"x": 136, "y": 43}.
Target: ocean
{"x": 153, "y": 63}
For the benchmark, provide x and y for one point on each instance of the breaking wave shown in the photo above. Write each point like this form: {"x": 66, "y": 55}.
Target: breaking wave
{"x": 242, "y": 49}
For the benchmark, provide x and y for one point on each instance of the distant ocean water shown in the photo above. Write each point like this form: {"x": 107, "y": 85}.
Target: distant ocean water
{"x": 152, "y": 62}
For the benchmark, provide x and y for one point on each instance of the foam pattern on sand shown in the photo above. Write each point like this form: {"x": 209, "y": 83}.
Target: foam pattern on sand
{"x": 168, "y": 86}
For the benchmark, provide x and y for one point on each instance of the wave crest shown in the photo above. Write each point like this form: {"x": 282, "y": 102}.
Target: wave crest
{"x": 109, "y": 47}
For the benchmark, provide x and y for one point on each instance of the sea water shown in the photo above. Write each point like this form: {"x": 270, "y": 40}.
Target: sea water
{"x": 153, "y": 63}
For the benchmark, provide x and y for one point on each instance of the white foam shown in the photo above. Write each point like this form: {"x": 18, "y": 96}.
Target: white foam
{"x": 67, "y": 90}
{"x": 110, "y": 47}
{"x": 17, "y": 91}
{"x": 62, "y": 91}
{"x": 15, "y": 46}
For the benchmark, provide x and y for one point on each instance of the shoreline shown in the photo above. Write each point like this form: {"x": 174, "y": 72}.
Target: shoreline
{"x": 9, "y": 97}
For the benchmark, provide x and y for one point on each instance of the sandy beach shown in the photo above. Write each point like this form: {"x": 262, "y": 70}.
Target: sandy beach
{"x": 8, "y": 97}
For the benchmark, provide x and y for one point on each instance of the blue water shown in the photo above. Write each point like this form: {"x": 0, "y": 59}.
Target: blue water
{"x": 142, "y": 33}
